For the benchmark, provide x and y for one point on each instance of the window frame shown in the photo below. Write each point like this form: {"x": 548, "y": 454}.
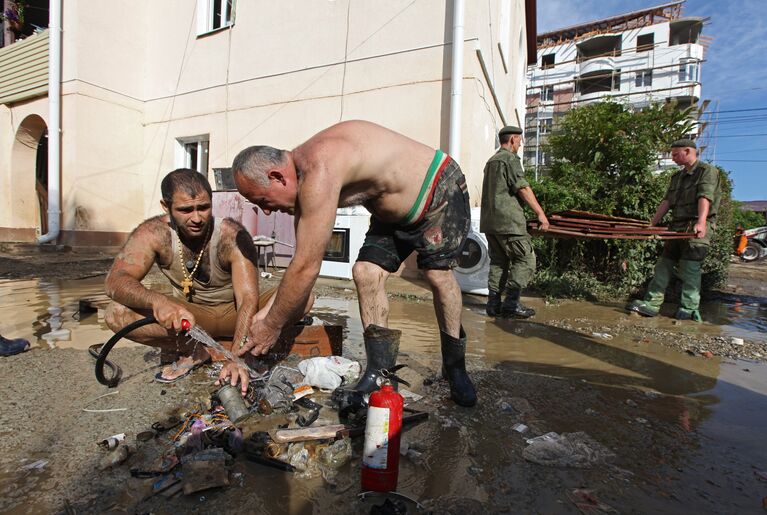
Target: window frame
{"x": 207, "y": 16}
{"x": 201, "y": 160}
{"x": 546, "y": 97}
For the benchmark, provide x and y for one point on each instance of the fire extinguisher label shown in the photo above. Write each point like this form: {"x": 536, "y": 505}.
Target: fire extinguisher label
{"x": 376, "y": 438}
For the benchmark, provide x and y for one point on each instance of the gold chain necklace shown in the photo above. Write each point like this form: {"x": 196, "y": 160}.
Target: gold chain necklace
{"x": 187, "y": 283}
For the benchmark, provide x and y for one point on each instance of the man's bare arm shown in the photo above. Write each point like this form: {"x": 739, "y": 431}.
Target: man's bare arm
{"x": 529, "y": 197}
{"x": 123, "y": 283}
{"x": 316, "y": 217}
{"x": 140, "y": 252}
{"x": 663, "y": 208}
{"x": 237, "y": 251}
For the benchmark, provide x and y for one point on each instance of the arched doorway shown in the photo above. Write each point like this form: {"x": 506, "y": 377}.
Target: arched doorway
{"x": 41, "y": 180}
{"x": 29, "y": 173}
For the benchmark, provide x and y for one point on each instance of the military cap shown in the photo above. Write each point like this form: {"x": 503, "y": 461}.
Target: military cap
{"x": 684, "y": 143}
{"x": 510, "y": 129}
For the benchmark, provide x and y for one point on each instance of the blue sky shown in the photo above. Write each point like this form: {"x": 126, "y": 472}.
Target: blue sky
{"x": 734, "y": 76}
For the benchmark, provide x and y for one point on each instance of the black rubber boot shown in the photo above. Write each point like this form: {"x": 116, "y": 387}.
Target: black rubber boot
{"x": 493, "y": 308}
{"x": 454, "y": 369}
{"x": 11, "y": 347}
{"x": 512, "y": 307}
{"x": 381, "y": 349}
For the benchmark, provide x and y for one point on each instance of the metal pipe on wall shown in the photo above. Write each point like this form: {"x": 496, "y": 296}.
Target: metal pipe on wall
{"x": 456, "y": 81}
{"x": 54, "y": 124}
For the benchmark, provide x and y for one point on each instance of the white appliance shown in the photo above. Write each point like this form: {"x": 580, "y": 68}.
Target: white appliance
{"x": 474, "y": 261}
{"x": 348, "y": 235}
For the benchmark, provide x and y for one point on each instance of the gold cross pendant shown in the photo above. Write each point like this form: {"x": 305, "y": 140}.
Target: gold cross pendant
{"x": 186, "y": 284}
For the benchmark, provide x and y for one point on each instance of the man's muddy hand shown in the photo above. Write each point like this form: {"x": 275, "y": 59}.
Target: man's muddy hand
{"x": 233, "y": 374}
{"x": 261, "y": 338}
{"x": 170, "y": 314}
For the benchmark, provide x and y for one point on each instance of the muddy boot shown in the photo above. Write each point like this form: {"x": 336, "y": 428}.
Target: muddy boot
{"x": 512, "y": 307}
{"x": 688, "y": 314}
{"x": 643, "y": 307}
{"x": 454, "y": 369}
{"x": 493, "y": 308}
{"x": 381, "y": 349}
{"x": 11, "y": 347}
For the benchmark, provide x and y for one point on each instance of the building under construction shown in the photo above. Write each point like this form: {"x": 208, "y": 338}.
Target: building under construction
{"x": 642, "y": 57}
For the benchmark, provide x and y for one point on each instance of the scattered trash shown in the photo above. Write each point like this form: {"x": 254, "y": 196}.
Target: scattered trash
{"x": 389, "y": 507}
{"x": 631, "y": 403}
{"x": 266, "y": 275}
{"x": 652, "y": 394}
{"x": 112, "y": 442}
{"x": 204, "y": 469}
{"x": 707, "y": 354}
{"x": 233, "y": 403}
{"x": 145, "y": 436}
{"x": 519, "y": 428}
{"x": 114, "y": 457}
{"x": 737, "y": 341}
{"x": 761, "y": 474}
{"x": 87, "y": 410}
{"x": 567, "y": 450}
{"x": 548, "y": 437}
{"x": 641, "y": 420}
{"x": 329, "y": 372}
{"x": 410, "y": 396}
{"x": 604, "y": 336}
{"x": 587, "y": 503}
{"x": 35, "y": 465}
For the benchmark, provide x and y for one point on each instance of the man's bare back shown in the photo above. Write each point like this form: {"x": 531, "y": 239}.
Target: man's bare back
{"x": 377, "y": 167}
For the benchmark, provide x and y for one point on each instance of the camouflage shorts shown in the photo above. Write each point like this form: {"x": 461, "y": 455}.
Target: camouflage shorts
{"x": 438, "y": 237}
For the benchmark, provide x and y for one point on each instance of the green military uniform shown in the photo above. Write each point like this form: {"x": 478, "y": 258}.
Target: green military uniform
{"x": 512, "y": 260}
{"x": 684, "y": 257}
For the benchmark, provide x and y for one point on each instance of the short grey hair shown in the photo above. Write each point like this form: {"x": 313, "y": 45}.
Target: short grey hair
{"x": 254, "y": 162}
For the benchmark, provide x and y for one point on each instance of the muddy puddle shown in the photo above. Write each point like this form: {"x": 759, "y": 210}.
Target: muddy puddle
{"x": 677, "y": 432}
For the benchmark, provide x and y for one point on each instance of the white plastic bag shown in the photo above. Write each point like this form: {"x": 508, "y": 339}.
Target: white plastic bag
{"x": 328, "y": 372}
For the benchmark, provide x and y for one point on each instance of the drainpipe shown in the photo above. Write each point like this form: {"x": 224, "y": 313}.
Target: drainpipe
{"x": 54, "y": 124}
{"x": 456, "y": 82}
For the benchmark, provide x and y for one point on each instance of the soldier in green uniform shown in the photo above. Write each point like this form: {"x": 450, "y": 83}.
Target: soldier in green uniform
{"x": 512, "y": 260}
{"x": 693, "y": 198}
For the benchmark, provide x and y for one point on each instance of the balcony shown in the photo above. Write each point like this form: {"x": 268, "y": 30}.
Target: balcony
{"x": 596, "y": 65}
{"x": 24, "y": 69}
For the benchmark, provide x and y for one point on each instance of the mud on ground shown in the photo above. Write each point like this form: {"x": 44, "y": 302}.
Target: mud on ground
{"x": 471, "y": 461}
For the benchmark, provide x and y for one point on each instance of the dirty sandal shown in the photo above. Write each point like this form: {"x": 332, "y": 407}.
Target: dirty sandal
{"x": 187, "y": 368}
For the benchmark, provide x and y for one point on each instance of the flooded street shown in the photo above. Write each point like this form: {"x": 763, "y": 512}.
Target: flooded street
{"x": 670, "y": 430}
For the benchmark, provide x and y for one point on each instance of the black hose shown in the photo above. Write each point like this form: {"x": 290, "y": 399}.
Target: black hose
{"x": 101, "y": 360}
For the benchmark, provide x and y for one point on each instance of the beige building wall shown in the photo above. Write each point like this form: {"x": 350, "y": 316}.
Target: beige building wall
{"x": 282, "y": 72}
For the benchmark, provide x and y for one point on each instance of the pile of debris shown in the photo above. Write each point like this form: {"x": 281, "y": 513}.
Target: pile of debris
{"x": 582, "y": 224}
{"x": 298, "y": 418}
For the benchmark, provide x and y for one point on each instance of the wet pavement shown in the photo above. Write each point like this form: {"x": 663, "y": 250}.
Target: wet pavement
{"x": 686, "y": 431}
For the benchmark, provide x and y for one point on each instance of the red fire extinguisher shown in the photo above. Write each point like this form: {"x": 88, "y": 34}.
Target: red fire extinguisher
{"x": 380, "y": 457}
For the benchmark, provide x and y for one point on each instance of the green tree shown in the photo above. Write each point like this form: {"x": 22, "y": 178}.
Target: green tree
{"x": 744, "y": 218}
{"x": 605, "y": 159}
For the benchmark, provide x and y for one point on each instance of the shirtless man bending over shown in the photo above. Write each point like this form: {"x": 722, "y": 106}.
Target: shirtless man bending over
{"x": 419, "y": 202}
{"x": 210, "y": 264}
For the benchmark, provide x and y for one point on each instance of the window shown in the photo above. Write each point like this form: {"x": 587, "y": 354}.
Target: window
{"x": 547, "y": 94}
{"x": 545, "y": 125}
{"x": 645, "y": 42}
{"x": 192, "y": 152}
{"x": 547, "y": 61}
{"x": 644, "y": 78}
{"x": 688, "y": 70}
{"x": 213, "y": 15}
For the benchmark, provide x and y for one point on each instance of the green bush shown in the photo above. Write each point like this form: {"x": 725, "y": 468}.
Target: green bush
{"x": 604, "y": 158}
{"x": 744, "y": 218}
